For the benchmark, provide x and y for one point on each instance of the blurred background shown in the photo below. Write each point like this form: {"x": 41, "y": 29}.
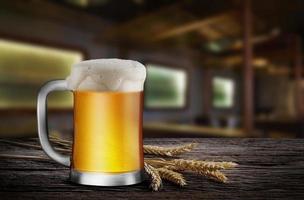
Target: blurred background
{"x": 216, "y": 68}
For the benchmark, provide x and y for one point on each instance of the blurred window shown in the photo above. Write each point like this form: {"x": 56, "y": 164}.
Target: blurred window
{"x": 24, "y": 67}
{"x": 223, "y": 92}
{"x": 165, "y": 87}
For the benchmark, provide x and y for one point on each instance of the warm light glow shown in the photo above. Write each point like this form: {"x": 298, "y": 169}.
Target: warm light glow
{"x": 260, "y": 62}
{"x": 25, "y": 67}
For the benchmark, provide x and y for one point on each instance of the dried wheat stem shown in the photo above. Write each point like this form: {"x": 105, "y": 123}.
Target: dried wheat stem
{"x": 214, "y": 175}
{"x": 156, "y": 181}
{"x": 193, "y": 165}
{"x": 30, "y": 145}
{"x": 172, "y": 176}
{"x": 168, "y": 151}
{"x": 22, "y": 157}
{"x": 66, "y": 142}
{"x": 228, "y": 165}
{"x": 159, "y": 162}
{"x": 60, "y": 142}
{"x": 197, "y": 165}
{"x": 64, "y": 145}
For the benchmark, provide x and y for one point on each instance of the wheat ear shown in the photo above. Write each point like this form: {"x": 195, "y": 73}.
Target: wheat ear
{"x": 192, "y": 165}
{"x": 168, "y": 151}
{"x": 156, "y": 180}
{"x": 214, "y": 175}
{"x": 172, "y": 176}
{"x": 197, "y": 165}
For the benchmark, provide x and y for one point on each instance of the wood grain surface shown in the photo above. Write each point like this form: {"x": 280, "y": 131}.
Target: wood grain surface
{"x": 268, "y": 169}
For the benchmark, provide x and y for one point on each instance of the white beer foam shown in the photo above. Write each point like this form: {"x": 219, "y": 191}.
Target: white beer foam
{"x": 107, "y": 75}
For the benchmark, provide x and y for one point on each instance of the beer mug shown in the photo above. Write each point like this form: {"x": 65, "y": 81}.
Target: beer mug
{"x": 107, "y": 144}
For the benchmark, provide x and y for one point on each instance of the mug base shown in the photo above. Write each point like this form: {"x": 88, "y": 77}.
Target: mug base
{"x": 106, "y": 179}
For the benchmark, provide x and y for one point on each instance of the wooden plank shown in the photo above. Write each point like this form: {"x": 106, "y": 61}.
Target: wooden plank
{"x": 268, "y": 169}
{"x": 144, "y": 195}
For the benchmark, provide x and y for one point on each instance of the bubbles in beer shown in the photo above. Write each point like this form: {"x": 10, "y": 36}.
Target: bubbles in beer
{"x": 107, "y": 75}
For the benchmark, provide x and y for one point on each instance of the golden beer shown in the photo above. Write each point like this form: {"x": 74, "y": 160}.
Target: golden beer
{"x": 107, "y": 131}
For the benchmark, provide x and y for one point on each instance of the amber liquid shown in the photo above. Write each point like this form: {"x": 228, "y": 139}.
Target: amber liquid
{"x": 107, "y": 132}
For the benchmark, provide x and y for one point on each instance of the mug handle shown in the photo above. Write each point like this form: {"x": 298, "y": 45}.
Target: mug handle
{"x": 56, "y": 85}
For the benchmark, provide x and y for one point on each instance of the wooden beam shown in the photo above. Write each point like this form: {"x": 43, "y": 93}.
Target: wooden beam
{"x": 149, "y": 27}
{"x": 210, "y": 33}
{"x": 248, "y": 73}
{"x": 297, "y": 45}
{"x": 145, "y": 26}
{"x": 192, "y": 26}
{"x": 235, "y": 60}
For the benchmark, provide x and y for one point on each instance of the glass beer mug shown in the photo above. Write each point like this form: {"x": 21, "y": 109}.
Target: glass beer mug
{"x": 108, "y": 101}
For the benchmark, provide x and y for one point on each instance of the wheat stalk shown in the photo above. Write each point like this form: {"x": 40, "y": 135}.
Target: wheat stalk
{"x": 64, "y": 145}
{"x": 192, "y": 165}
{"x": 23, "y": 157}
{"x": 156, "y": 180}
{"x": 214, "y": 175}
{"x": 172, "y": 176}
{"x": 198, "y": 165}
{"x": 208, "y": 169}
{"x": 60, "y": 141}
{"x": 168, "y": 151}
{"x": 22, "y": 144}
{"x": 159, "y": 162}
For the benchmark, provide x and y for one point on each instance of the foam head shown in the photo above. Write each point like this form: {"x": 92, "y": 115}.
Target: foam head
{"x": 107, "y": 75}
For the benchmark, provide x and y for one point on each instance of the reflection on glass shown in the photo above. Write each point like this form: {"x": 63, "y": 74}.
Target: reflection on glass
{"x": 25, "y": 67}
{"x": 165, "y": 87}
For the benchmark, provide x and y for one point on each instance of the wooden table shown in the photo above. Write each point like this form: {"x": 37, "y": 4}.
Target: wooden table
{"x": 268, "y": 169}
